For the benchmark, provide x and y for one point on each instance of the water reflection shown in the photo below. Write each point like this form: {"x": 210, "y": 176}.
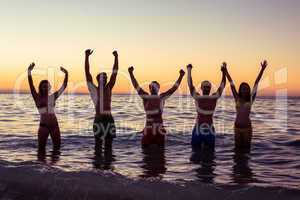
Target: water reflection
{"x": 154, "y": 162}
{"x": 242, "y": 172}
{"x": 265, "y": 169}
{"x": 103, "y": 161}
{"x": 206, "y": 159}
{"x": 54, "y": 157}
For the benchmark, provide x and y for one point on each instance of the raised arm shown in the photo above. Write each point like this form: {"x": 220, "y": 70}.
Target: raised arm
{"x": 64, "y": 85}
{"x": 135, "y": 84}
{"x": 264, "y": 65}
{"x": 174, "y": 87}
{"x": 30, "y": 81}
{"x": 190, "y": 82}
{"x": 220, "y": 90}
{"x": 232, "y": 86}
{"x": 88, "y": 75}
{"x": 113, "y": 76}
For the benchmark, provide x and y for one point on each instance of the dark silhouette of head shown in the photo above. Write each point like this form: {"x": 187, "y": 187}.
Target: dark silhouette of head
{"x": 206, "y": 87}
{"x": 154, "y": 88}
{"x": 102, "y": 78}
{"x": 245, "y": 92}
{"x": 44, "y": 87}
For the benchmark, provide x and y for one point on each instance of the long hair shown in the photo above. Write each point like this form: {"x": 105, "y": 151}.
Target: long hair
{"x": 247, "y": 97}
{"x": 41, "y": 84}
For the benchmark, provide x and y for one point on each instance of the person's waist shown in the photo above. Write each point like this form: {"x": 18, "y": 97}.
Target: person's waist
{"x": 103, "y": 112}
{"x": 47, "y": 115}
{"x": 49, "y": 120}
{"x": 204, "y": 125}
{"x": 46, "y": 111}
{"x": 154, "y": 127}
{"x": 103, "y": 115}
{"x": 204, "y": 119}
{"x": 242, "y": 120}
{"x": 154, "y": 119}
{"x": 243, "y": 124}
{"x": 243, "y": 114}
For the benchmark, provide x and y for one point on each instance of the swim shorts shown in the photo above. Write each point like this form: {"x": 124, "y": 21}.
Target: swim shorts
{"x": 203, "y": 136}
{"x": 104, "y": 126}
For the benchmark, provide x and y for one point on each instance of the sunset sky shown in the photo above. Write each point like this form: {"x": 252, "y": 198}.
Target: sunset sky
{"x": 158, "y": 37}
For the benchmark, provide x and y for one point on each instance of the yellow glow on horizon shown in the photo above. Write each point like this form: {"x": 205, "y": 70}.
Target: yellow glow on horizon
{"x": 157, "y": 38}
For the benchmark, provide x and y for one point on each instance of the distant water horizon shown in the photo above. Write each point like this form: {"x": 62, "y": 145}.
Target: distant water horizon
{"x": 134, "y": 93}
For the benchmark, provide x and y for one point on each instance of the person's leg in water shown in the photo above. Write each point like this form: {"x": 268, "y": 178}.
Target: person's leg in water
{"x": 43, "y": 134}
{"x": 108, "y": 143}
{"x": 160, "y": 135}
{"x": 243, "y": 138}
{"x": 197, "y": 139}
{"x": 209, "y": 138}
{"x": 147, "y": 138}
{"x": 56, "y": 139}
{"x": 209, "y": 142}
{"x": 98, "y": 144}
{"x": 110, "y": 133}
{"x": 98, "y": 129}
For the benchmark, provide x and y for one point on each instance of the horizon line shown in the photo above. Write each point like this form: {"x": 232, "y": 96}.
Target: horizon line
{"x": 128, "y": 93}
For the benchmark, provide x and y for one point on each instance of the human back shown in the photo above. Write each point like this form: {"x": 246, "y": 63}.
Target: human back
{"x": 244, "y": 98}
{"x": 203, "y": 134}
{"x": 153, "y": 105}
{"x": 243, "y": 111}
{"x": 104, "y": 128}
{"x": 45, "y": 103}
{"x": 154, "y": 131}
{"x": 101, "y": 99}
{"x": 205, "y": 107}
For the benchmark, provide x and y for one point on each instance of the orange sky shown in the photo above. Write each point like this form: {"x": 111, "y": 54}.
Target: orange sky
{"x": 157, "y": 38}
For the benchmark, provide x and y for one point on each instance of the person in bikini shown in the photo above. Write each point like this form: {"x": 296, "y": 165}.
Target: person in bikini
{"x": 154, "y": 131}
{"x": 203, "y": 134}
{"x": 45, "y": 102}
{"x": 244, "y": 100}
{"x": 104, "y": 125}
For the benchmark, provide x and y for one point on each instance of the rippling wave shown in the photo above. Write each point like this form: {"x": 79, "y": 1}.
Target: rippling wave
{"x": 274, "y": 158}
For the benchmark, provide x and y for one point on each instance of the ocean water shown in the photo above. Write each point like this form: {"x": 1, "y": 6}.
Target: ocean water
{"x": 273, "y": 161}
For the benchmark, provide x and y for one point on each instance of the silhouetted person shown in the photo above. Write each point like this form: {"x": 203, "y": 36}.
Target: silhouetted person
{"x": 154, "y": 131}
{"x": 45, "y": 103}
{"x": 244, "y": 99}
{"x": 104, "y": 126}
{"x": 203, "y": 135}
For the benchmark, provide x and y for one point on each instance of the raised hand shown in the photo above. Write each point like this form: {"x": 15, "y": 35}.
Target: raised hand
{"x": 63, "y": 70}
{"x": 130, "y": 69}
{"x": 115, "y": 53}
{"x": 264, "y": 64}
{"x": 31, "y": 66}
{"x": 181, "y": 72}
{"x": 224, "y": 67}
{"x": 189, "y": 66}
{"x": 88, "y": 52}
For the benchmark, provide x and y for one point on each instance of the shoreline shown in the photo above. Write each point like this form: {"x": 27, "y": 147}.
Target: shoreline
{"x": 43, "y": 182}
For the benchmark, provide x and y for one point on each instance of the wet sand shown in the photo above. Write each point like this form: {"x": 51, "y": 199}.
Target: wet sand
{"x": 29, "y": 181}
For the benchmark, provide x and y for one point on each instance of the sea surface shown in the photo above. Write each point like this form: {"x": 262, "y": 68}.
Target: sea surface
{"x": 273, "y": 161}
